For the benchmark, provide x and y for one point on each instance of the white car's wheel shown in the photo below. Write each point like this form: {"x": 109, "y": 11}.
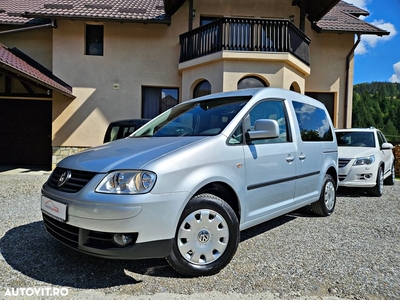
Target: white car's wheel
{"x": 390, "y": 180}
{"x": 377, "y": 190}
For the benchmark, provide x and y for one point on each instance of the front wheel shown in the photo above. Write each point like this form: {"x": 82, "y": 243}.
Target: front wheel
{"x": 390, "y": 180}
{"x": 377, "y": 190}
{"x": 206, "y": 238}
{"x": 327, "y": 199}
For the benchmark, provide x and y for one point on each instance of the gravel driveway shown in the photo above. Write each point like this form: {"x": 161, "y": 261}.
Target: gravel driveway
{"x": 354, "y": 254}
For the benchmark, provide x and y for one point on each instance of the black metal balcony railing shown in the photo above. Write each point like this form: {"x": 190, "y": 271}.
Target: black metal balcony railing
{"x": 239, "y": 34}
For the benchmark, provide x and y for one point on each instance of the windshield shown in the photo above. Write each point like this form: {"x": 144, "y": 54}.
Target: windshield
{"x": 355, "y": 139}
{"x": 203, "y": 118}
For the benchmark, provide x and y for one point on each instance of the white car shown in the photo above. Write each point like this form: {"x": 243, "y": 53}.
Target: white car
{"x": 365, "y": 159}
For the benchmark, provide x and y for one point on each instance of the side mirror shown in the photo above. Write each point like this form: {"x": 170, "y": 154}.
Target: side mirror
{"x": 386, "y": 146}
{"x": 264, "y": 129}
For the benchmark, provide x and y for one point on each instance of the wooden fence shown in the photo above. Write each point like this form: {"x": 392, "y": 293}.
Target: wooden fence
{"x": 396, "y": 152}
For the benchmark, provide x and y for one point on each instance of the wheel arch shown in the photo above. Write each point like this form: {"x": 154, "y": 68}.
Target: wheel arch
{"x": 225, "y": 192}
{"x": 332, "y": 171}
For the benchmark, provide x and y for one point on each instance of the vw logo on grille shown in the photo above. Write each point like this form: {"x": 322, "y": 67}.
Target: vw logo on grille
{"x": 64, "y": 178}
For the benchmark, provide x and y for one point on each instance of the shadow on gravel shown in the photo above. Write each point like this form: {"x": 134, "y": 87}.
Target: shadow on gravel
{"x": 30, "y": 250}
{"x": 352, "y": 192}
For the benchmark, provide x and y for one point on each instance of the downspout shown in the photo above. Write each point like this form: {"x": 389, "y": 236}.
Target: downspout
{"x": 190, "y": 27}
{"x": 346, "y": 100}
{"x": 52, "y": 24}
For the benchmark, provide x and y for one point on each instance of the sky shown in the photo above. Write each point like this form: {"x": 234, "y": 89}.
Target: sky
{"x": 378, "y": 58}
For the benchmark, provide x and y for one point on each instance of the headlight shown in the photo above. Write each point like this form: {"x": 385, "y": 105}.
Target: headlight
{"x": 364, "y": 161}
{"x": 127, "y": 182}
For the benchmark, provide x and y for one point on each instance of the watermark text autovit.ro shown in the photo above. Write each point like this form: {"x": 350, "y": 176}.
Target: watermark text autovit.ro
{"x": 36, "y": 291}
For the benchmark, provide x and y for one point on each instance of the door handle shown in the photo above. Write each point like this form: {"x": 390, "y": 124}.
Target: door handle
{"x": 289, "y": 158}
{"x": 302, "y": 156}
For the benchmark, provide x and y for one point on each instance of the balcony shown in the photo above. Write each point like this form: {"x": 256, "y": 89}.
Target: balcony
{"x": 240, "y": 34}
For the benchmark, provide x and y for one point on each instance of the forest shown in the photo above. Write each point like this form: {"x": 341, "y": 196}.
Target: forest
{"x": 377, "y": 104}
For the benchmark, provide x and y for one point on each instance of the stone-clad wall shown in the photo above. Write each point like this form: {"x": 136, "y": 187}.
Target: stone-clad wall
{"x": 60, "y": 153}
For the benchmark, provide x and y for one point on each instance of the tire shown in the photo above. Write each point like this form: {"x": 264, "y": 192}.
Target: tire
{"x": 206, "y": 238}
{"x": 390, "y": 180}
{"x": 327, "y": 200}
{"x": 377, "y": 190}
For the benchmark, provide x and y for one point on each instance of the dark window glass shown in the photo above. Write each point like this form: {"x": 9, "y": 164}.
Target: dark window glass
{"x": 156, "y": 100}
{"x": 270, "y": 110}
{"x": 355, "y": 139}
{"x": 313, "y": 122}
{"x": 202, "y": 88}
{"x": 328, "y": 99}
{"x": 192, "y": 118}
{"x": 206, "y": 20}
{"x": 94, "y": 40}
{"x": 251, "y": 82}
{"x": 381, "y": 138}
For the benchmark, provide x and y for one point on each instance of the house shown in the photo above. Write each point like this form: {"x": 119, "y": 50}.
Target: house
{"x": 70, "y": 67}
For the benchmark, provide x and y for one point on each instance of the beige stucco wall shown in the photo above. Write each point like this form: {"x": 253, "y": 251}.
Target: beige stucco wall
{"x": 225, "y": 69}
{"x": 328, "y": 53}
{"x": 134, "y": 55}
{"x": 37, "y": 44}
{"x": 137, "y": 55}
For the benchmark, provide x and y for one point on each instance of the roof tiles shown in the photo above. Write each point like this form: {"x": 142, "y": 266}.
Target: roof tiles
{"x": 344, "y": 18}
{"x": 122, "y": 10}
{"x": 19, "y": 66}
{"x": 12, "y": 11}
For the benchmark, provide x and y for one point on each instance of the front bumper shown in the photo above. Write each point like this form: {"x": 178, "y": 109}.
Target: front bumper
{"x": 93, "y": 218}
{"x": 101, "y": 243}
{"x": 357, "y": 176}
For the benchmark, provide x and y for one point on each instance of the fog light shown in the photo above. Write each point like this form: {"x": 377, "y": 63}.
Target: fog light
{"x": 367, "y": 176}
{"x": 122, "y": 239}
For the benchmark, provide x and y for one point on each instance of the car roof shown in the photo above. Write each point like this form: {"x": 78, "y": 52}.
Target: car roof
{"x": 128, "y": 122}
{"x": 259, "y": 93}
{"x": 357, "y": 129}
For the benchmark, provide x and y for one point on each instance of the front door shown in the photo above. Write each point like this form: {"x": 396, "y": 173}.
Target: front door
{"x": 270, "y": 166}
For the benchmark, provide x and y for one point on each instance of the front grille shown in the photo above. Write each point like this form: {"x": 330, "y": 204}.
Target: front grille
{"x": 70, "y": 235}
{"x": 343, "y": 162}
{"x": 74, "y": 184}
{"x": 63, "y": 232}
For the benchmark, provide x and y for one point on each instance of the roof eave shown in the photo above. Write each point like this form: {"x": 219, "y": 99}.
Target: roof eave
{"x": 171, "y": 6}
{"x": 321, "y": 30}
{"x": 166, "y": 21}
{"x": 37, "y": 81}
{"x": 325, "y": 11}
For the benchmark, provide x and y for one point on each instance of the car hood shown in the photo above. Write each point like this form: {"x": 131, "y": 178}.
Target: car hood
{"x": 129, "y": 153}
{"x": 355, "y": 152}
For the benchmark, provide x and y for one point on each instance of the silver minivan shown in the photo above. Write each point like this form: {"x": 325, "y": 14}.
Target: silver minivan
{"x": 187, "y": 183}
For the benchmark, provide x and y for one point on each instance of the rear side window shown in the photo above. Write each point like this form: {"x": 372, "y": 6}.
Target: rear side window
{"x": 313, "y": 122}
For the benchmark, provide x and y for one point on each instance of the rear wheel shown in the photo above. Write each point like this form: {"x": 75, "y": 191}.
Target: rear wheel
{"x": 377, "y": 190}
{"x": 206, "y": 238}
{"x": 327, "y": 200}
{"x": 390, "y": 180}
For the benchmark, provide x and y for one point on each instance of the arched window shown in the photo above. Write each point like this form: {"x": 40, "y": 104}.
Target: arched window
{"x": 295, "y": 87}
{"x": 201, "y": 89}
{"x": 251, "y": 82}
